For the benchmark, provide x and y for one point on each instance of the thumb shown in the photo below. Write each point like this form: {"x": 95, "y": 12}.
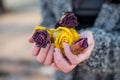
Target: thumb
{"x": 30, "y": 39}
{"x": 88, "y": 34}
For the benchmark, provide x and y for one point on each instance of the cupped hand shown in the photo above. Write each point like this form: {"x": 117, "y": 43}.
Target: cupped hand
{"x": 69, "y": 62}
{"x": 44, "y": 55}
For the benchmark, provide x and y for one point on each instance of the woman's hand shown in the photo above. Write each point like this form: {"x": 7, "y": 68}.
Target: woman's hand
{"x": 44, "y": 55}
{"x": 54, "y": 57}
{"x": 71, "y": 60}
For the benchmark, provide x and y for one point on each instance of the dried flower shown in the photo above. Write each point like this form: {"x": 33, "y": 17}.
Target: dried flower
{"x": 79, "y": 46}
{"x": 67, "y": 20}
{"x": 41, "y": 37}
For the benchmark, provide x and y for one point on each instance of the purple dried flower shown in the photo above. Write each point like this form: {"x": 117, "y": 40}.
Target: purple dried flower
{"x": 41, "y": 37}
{"x": 79, "y": 46}
{"x": 67, "y": 20}
{"x": 82, "y": 43}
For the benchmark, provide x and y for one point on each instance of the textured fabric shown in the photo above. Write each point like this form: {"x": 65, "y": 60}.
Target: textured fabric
{"x": 63, "y": 76}
{"x": 108, "y": 17}
{"x": 105, "y": 56}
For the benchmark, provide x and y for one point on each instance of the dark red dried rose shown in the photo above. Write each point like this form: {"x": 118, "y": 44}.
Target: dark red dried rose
{"x": 78, "y": 46}
{"x": 67, "y": 20}
{"x": 41, "y": 38}
{"x": 82, "y": 43}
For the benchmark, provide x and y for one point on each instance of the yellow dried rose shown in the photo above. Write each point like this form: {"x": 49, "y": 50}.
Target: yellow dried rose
{"x": 63, "y": 34}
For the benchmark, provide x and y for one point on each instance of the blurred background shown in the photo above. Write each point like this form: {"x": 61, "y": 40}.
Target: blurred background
{"x": 17, "y": 20}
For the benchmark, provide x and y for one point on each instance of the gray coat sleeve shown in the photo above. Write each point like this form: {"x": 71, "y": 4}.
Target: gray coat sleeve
{"x": 106, "y": 53}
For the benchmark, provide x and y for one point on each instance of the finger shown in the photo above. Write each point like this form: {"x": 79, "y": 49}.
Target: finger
{"x": 43, "y": 53}
{"x": 61, "y": 62}
{"x": 71, "y": 57}
{"x": 35, "y": 50}
{"x": 55, "y": 66}
{"x": 86, "y": 54}
{"x": 49, "y": 57}
{"x": 89, "y": 35}
{"x": 31, "y": 40}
